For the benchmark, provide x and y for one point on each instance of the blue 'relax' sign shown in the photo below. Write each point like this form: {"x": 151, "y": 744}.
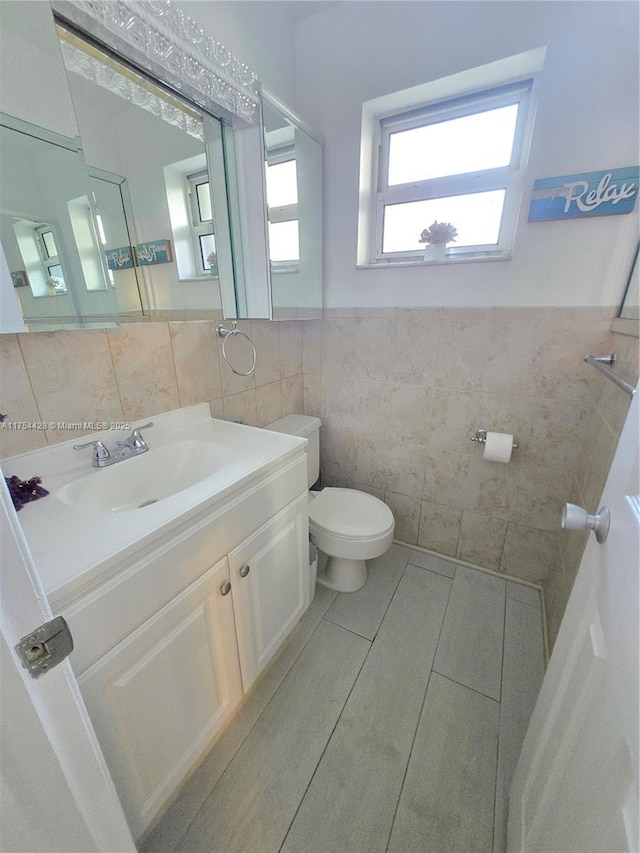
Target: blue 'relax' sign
{"x": 589, "y": 194}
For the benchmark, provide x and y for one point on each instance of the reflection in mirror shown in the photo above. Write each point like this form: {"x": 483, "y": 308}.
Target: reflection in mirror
{"x": 132, "y": 126}
{"x": 629, "y": 309}
{"x": 49, "y": 229}
{"x": 293, "y": 175}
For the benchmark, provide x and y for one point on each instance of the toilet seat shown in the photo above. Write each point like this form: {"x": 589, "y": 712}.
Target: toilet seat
{"x": 349, "y": 514}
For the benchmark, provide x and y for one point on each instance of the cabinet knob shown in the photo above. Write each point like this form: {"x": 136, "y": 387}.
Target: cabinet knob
{"x": 244, "y": 571}
{"x": 225, "y": 588}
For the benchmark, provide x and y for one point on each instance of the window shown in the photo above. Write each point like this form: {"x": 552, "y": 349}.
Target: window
{"x": 453, "y": 149}
{"x": 457, "y": 161}
{"x": 204, "y": 243}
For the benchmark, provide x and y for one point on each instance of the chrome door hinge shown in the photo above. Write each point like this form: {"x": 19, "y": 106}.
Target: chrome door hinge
{"x": 45, "y": 647}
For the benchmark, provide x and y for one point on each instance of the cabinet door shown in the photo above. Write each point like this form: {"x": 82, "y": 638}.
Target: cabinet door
{"x": 269, "y": 572}
{"x": 159, "y": 697}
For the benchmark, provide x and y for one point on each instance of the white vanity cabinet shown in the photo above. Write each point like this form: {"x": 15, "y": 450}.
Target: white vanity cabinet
{"x": 269, "y": 594}
{"x": 160, "y": 695}
{"x": 158, "y": 698}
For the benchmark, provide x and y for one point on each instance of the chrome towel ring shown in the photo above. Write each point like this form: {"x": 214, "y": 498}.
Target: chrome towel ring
{"x": 225, "y": 334}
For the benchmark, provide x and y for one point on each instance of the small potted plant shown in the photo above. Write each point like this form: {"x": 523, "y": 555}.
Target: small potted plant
{"x": 436, "y": 237}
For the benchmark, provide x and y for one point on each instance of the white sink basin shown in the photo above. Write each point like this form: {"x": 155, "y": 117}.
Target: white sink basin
{"x": 146, "y": 479}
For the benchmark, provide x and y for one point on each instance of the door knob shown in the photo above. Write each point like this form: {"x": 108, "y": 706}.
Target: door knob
{"x": 225, "y": 588}
{"x": 576, "y": 518}
{"x": 244, "y": 571}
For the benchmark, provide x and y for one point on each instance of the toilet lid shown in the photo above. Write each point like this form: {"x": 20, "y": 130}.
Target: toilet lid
{"x": 349, "y": 513}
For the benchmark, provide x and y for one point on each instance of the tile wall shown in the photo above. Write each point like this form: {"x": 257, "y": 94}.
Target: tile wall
{"x": 401, "y": 391}
{"x": 141, "y": 369}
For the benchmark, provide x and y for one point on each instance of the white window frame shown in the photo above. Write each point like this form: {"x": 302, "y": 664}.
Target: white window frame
{"x": 507, "y": 177}
{"x": 198, "y": 228}
{"x": 467, "y": 84}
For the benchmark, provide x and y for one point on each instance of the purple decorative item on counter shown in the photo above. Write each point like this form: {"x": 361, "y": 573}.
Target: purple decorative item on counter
{"x": 24, "y": 491}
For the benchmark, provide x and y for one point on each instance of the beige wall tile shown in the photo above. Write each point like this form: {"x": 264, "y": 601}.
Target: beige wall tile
{"x": 312, "y": 394}
{"x": 312, "y": 346}
{"x": 529, "y": 554}
{"x": 368, "y": 311}
{"x": 540, "y": 496}
{"x": 462, "y": 353}
{"x": 17, "y": 402}
{"x": 557, "y": 432}
{"x": 145, "y": 372}
{"x": 73, "y": 378}
{"x": 268, "y": 403}
{"x": 241, "y": 407}
{"x": 195, "y": 354}
{"x": 415, "y": 349}
{"x": 481, "y": 539}
{"x": 266, "y": 339}
{"x": 292, "y": 399}
{"x": 416, "y": 413}
{"x": 369, "y": 460}
{"x": 405, "y": 466}
{"x": 406, "y": 512}
{"x": 556, "y": 595}
{"x": 290, "y": 348}
{"x": 373, "y": 355}
{"x": 514, "y": 356}
{"x": 338, "y": 346}
{"x": 339, "y": 312}
{"x": 240, "y": 356}
{"x": 336, "y": 453}
{"x": 217, "y": 409}
{"x": 439, "y": 528}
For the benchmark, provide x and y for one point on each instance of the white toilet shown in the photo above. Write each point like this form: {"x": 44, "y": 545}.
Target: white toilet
{"x": 349, "y": 526}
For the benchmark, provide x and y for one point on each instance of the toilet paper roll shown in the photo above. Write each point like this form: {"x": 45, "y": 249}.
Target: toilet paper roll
{"x": 498, "y": 447}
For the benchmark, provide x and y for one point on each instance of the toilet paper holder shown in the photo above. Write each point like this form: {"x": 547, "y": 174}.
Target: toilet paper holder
{"x": 481, "y": 437}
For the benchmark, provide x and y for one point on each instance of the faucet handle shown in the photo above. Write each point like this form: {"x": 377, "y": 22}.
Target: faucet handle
{"x": 100, "y": 451}
{"x": 136, "y": 439}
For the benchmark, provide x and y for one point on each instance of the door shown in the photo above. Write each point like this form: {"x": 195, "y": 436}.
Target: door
{"x": 576, "y": 784}
{"x": 154, "y": 714}
{"x": 270, "y": 588}
{"x": 57, "y": 793}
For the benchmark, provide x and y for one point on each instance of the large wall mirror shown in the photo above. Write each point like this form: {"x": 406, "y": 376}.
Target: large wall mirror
{"x": 168, "y": 223}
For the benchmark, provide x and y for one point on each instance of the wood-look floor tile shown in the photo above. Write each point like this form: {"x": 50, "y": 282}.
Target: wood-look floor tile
{"x": 470, "y": 648}
{"x": 523, "y": 671}
{"x": 447, "y": 800}
{"x": 253, "y": 804}
{"x": 363, "y": 611}
{"x": 358, "y": 781}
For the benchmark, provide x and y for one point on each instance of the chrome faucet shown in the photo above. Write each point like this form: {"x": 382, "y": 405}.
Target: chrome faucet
{"x": 132, "y": 446}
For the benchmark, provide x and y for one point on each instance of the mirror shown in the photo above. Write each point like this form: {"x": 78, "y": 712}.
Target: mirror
{"x": 293, "y": 175}
{"x": 175, "y": 205}
{"x": 190, "y": 265}
{"x": 51, "y": 232}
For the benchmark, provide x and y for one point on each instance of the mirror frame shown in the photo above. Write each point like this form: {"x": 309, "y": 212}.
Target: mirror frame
{"x": 163, "y": 42}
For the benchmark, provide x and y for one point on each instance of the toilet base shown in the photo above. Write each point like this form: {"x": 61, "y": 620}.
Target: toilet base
{"x": 343, "y": 575}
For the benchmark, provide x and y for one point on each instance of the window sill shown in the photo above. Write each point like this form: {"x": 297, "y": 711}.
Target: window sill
{"x": 446, "y": 262}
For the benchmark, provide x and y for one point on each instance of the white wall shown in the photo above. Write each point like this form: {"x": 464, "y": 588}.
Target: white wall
{"x": 258, "y": 32}
{"x": 587, "y": 120}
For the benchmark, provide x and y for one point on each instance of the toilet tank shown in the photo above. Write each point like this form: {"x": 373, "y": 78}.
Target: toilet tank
{"x": 307, "y": 427}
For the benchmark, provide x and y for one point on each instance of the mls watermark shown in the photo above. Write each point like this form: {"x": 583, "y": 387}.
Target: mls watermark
{"x": 83, "y": 426}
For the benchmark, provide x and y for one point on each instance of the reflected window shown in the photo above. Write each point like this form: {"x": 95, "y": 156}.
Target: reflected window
{"x": 46, "y": 243}
{"x": 202, "y": 223}
{"x": 282, "y": 207}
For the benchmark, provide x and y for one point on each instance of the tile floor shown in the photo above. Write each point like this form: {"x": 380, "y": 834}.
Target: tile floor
{"x": 391, "y": 720}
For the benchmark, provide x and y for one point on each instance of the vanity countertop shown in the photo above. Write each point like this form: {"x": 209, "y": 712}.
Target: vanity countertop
{"x": 70, "y": 545}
